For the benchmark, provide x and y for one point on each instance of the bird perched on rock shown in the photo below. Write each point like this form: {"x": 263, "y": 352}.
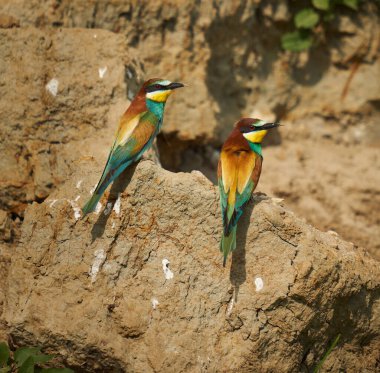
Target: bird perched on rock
{"x": 239, "y": 171}
{"x": 138, "y": 127}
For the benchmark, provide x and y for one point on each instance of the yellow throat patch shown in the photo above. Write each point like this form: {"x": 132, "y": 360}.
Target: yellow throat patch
{"x": 159, "y": 96}
{"x": 255, "y": 136}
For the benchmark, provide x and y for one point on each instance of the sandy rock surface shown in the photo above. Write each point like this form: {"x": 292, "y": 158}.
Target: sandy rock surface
{"x": 57, "y": 88}
{"x": 229, "y": 54}
{"x": 335, "y": 187}
{"x": 140, "y": 286}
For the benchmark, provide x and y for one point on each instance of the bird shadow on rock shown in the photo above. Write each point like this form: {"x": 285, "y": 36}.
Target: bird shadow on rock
{"x": 238, "y": 272}
{"x": 118, "y": 186}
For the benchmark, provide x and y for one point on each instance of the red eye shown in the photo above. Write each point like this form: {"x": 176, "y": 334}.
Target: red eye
{"x": 157, "y": 86}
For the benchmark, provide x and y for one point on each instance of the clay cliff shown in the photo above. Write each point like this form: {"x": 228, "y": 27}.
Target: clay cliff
{"x": 139, "y": 286}
{"x": 229, "y": 55}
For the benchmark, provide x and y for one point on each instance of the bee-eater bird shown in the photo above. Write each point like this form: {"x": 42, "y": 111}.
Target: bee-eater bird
{"x": 138, "y": 127}
{"x": 239, "y": 171}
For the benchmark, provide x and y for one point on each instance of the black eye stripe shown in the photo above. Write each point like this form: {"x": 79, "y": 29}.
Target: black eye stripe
{"x": 154, "y": 87}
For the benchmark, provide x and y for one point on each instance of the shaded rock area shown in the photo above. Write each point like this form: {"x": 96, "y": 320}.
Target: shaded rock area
{"x": 140, "y": 286}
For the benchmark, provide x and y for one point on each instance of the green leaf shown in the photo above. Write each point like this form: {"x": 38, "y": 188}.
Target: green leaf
{"x": 5, "y": 370}
{"x": 321, "y": 4}
{"x": 4, "y": 353}
{"x": 296, "y": 41}
{"x": 27, "y": 366}
{"x": 24, "y": 353}
{"x": 41, "y": 358}
{"x": 306, "y": 18}
{"x": 353, "y": 4}
{"x": 329, "y": 16}
{"x": 319, "y": 366}
{"x": 57, "y": 370}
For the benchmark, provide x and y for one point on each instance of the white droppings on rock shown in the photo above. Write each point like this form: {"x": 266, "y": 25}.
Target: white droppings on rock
{"x": 93, "y": 189}
{"x": 98, "y": 208}
{"x": 277, "y": 201}
{"x": 230, "y": 306}
{"x": 100, "y": 256}
{"x": 155, "y": 303}
{"x": 102, "y": 72}
{"x": 113, "y": 225}
{"x": 165, "y": 267}
{"x": 79, "y": 183}
{"x": 52, "y": 86}
{"x": 53, "y": 201}
{"x": 117, "y": 205}
{"x": 77, "y": 210}
{"x": 259, "y": 283}
{"x": 76, "y": 198}
{"x": 108, "y": 209}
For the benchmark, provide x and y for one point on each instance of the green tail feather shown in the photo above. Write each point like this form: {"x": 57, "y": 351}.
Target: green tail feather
{"x": 90, "y": 206}
{"x": 228, "y": 244}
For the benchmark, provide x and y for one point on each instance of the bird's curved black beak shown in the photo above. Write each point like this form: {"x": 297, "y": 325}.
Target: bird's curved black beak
{"x": 268, "y": 126}
{"x": 175, "y": 85}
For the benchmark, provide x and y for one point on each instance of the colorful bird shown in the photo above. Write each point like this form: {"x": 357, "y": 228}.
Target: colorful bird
{"x": 138, "y": 127}
{"x": 239, "y": 171}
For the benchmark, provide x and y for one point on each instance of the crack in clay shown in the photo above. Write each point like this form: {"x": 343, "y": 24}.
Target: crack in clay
{"x": 296, "y": 273}
{"x": 109, "y": 252}
{"x": 285, "y": 240}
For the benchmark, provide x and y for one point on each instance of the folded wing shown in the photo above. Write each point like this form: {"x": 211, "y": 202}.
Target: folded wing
{"x": 238, "y": 174}
{"x": 132, "y": 140}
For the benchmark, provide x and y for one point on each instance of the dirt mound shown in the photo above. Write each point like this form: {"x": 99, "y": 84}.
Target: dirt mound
{"x": 140, "y": 286}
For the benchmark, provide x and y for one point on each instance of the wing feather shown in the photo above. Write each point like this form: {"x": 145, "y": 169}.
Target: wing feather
{"x": 239, "y": 172}
{"x": 133, "y": 139}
